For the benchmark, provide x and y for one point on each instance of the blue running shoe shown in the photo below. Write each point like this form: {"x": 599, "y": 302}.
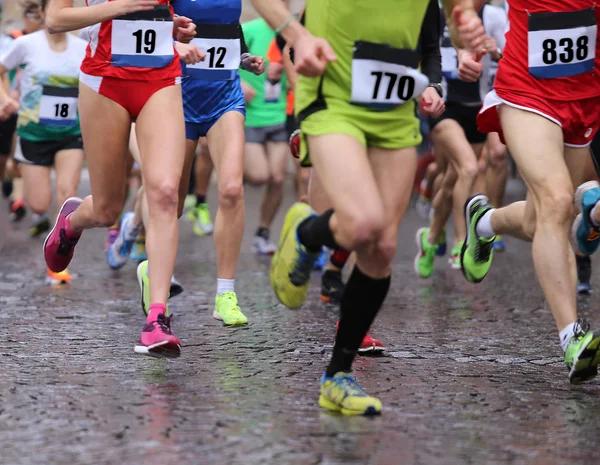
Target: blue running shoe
{"x": 499, "y": 245}
{"x": 442, "y": 244}
{"x": 322, "y": 260}
{"x": 138, "y": 252}
{"x": 584, "y": 235}
{"x": 118, "y": 253}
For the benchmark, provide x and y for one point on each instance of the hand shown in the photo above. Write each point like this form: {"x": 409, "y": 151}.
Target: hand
{"x": 254, "y": 64}
{"x": 431, "y": 103}
{"x": 131, "y": 6}
{"x": 469, "y": 27}
{"x": 189, "y": 53}
{"x": 249, "y": 93}
{"x": 469, "y": 65}
{"x": 311, "y": 55}
{"x": 185, "y": 29}
{"x": 274, "y": 72}
{"x": 8, "y": 108}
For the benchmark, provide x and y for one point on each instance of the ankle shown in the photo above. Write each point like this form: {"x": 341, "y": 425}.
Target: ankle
{"x": 155, "y": 310}
{"x": 69, "y": 231}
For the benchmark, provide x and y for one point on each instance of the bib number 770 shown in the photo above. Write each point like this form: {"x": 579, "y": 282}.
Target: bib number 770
{"x": 404, "y": 89}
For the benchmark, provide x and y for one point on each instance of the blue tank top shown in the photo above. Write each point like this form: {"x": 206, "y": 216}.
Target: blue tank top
{"x": 207, "y": 99}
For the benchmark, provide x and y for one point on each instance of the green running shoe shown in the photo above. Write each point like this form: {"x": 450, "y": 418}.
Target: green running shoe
{"x": 203, "y": 225}
{"x": 454, "y": 260}
{"x": 189, "y": 206}
{"x": 228, "y": 311}
{"x": 342, "y": 393}
{"x": 477, "y": 253}
{"x": 144, "y": 282}
{"x": 425, "y": 259}
{"x": 582, "y": 356}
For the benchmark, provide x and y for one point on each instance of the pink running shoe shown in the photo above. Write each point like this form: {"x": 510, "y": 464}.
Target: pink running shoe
{"x": 58, "y": 248}
{"x": 157, "y": 339}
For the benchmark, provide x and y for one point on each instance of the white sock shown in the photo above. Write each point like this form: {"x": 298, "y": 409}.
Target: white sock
{"x": 565, "y": 335}
{"x": 592, "y": 213}
{"x": 484, "y": 225}
{"x": 225, "y": 285}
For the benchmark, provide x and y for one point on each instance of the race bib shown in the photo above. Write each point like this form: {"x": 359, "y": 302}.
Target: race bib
{"x": 221, "y": 43}
{"x": 385, "y": 77}
{"x": 562, "y": 44}
{"x": 143, "y": 39}
{"x": 449, "y": 62}
{"x": 58, "y": 106}
{"x": 272, "y": 91}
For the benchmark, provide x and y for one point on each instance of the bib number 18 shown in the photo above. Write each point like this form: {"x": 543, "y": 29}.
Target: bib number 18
{"x": 62, "y": 111}
{"x": 404, "y": 90}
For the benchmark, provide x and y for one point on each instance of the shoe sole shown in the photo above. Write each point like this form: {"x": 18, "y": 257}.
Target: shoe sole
{"x": 74, "y": 199}
{"x": 463, "y": 250}
{"x": 163, "y": 349}
{"x": 328, "y": 405}
{"x": 582, "y": 190}
{"x": 175, "y": 290}
{"x": 419, "y": 253}
{"x": 141, "y": 283}
{"x": 218, "y": 317}
{"x": 371, "y": 350}
{"x": 586, "y": 373}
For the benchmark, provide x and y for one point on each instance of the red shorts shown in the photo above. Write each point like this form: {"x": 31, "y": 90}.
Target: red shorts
{"x": 130, "y": 94}
{"x": 579, "y": 119}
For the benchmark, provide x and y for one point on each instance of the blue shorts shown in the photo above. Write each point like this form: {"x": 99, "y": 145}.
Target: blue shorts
{"x": 194, "y": 131}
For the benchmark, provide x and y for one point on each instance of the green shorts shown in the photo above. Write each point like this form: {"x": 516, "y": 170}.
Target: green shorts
{"x": 392, "y": 129}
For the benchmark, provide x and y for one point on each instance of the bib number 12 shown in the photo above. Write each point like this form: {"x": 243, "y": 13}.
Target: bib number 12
{"x": 405, "y": 87}
{"x": 145, "y": 41}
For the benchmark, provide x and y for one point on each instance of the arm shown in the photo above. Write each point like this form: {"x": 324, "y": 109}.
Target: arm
{"x": 12, "y": 59}
{"x": 464, "y": 24}
{"x": 431, "y": 58}
{"x": 276, "y": 14}
{"x": 288, "y": 67}
{"x": 63, "y": 17}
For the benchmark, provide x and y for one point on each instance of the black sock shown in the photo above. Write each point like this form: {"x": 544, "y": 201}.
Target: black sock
{"x": 263, "y": 232}
{"x": 362, "y": 299}
{"x": 200, "y": 199}
{"x": 192, "y": 184}
{"x": 314, "y": 233}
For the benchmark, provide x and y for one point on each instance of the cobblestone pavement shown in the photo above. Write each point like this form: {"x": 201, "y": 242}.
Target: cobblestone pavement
{"x": 472, "y": 374}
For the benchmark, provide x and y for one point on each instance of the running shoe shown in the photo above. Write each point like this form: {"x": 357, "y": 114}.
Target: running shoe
{"x": 58, "y": 248}
{"x": 295, "y": 143}
{"x": 454, "y": 260}
{"x": 118, "y": 253}
{"x": 262, "y": 246}
{"x": 584, "y": 274}
{"x": 157, "y": 339}
{"x": 40, "y": 226}
{"x": 332, "y": 287}
{"x": 7, "y": 188}
{"x": 368, "y": 344}
{"x": 499, "y": 245}
{"x": 144, "y": 282}
{"x": 203, "y": 225}
{"x": 584, "y": 235}
{"x": 322, "y": 260}
{"x": 189, "y": 207}
{"x": 292, "y": 264}
{"x": 425, "y": 259}
{"x": 17, "y": 210}
{"x": 176, "y": 288}
{"x": 442, "y": 244}
{"x": 582, "y": 356}
{"x": 228, "y": 311}
{"x": 342, "y": 393}
{"x": 138, "y": 251}
{"x": 477, "y": 252}
{"x": 62, "y": 277}
{"x": 111, "y": 237}
{"x": 423, "y": 206}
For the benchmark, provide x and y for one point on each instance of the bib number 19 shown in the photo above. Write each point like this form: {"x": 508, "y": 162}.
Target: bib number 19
{"x": 145, "y": 41}
{"x": 405, "y": 88}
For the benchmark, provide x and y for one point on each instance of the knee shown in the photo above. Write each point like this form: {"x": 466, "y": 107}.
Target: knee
{"x": 556, "y": 206}
{"x": 163, "y": 195}
{"x": 469, "y": 169}
{"x": 365, "y": 229}
{"x": 231, "y": 193}
{"x": 498, "y": 157}
{"x": 304, "y": 176}
{"x": 256, "y": 179}
{"x": 65, "y": 191}
{"x": 277, "y": 179}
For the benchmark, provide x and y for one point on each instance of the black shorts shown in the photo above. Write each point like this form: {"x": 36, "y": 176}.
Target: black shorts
{"x": 595, "y": 152}
{"x": 43, "y": 153}
{"x": 276, "y": 133}
{"x": 466, "y": 117}
{"x": 7, "y": 131}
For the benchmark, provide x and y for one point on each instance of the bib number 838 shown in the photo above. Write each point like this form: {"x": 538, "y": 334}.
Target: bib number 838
{"x": 569, "y": 51}
{"x": 405, "y": 88}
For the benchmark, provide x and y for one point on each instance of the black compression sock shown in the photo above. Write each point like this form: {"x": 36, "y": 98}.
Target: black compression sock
{"x": 314, "y": 233}
{"x": 361, "y": 301}
{"x": 263, "y": 232}
{"x": 200, "y": 199}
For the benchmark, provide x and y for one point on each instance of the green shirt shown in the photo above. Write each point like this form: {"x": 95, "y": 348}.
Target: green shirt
{"x": 267, "y": 108}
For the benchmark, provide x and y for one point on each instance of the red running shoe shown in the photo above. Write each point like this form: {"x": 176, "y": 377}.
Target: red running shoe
{"x": 58, "y": 248}
{"x": 368, "y": 344}
{"x": 157, "y": 339}
{"x": 295, "y": 143}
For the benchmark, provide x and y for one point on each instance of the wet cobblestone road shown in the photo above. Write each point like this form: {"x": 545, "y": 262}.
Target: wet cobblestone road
{"x": 471, "y": 374}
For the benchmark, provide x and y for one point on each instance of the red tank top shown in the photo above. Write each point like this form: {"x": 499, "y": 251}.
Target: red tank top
{"x": 552, "y": 49}
{"x": 136, "y": 46}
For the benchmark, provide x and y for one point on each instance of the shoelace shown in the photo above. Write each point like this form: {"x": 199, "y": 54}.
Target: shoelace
{"x": 65, "y": 244}
{"x": 302, "y": 268}
{"x": 164, "y": 322}
{"x": 582, "y": 326}
{"x": 349, "y": 384}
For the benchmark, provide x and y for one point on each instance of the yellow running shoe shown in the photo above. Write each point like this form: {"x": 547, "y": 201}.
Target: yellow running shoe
{"x": 342, "y": 393}
{"x": 228, "y": 311}
{"x": 144, "y": 282}
{"x": 58, "y": 278}
{"x": 292, "y": 264}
